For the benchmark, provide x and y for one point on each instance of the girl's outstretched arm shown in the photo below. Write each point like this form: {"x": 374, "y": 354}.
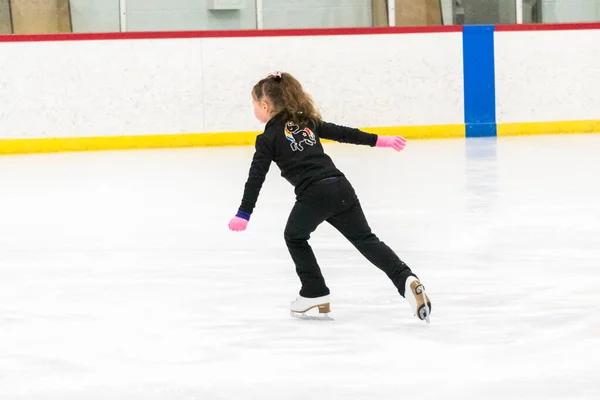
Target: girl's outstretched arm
{"x": 344, "y": 134}
{"x": 261, "y": 162}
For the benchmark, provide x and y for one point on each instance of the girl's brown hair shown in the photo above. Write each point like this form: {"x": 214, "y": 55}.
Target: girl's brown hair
{"x": 287, "y": 96}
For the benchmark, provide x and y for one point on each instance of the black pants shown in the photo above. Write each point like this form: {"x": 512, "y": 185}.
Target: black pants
{"x": 334, "y": 200}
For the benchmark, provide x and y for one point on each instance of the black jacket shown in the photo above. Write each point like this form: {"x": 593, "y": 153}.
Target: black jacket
{"x": 298, "y": 153}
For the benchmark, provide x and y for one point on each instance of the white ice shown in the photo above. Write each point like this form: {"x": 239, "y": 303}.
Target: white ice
{"x": 120, "y": 280}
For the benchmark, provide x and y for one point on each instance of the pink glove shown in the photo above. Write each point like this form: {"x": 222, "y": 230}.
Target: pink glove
{"x": 396, "y": 142}
{"x": 239, "y": 222}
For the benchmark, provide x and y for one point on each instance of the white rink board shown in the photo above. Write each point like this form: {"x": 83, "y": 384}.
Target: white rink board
{"x": 100, "y": 88}
{"x": 369, "y": 80}
{"x": 547, "y": 76}
{"x": 170, "y": 86}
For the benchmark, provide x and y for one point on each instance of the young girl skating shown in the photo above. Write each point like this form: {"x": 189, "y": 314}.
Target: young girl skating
{"x": 292, "y": 139}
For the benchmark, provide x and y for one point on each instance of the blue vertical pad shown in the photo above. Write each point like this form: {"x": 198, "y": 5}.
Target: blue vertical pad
{"x": 479, "y": 80}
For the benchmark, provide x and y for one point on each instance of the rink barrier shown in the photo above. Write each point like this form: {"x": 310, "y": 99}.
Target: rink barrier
{"x": 479, "y": 92}
{"x": 548, "y": 127}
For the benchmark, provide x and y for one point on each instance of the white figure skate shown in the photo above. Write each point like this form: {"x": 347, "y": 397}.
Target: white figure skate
{"x": 301, "y": 307}
{"x": 414, "y": 292}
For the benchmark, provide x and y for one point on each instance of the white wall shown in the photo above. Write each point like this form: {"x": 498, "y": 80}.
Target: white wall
{"x": 95, "y": 15}
{"x": 178, "y": 15}
{"x": 317, "y": 13}
{"x": 489, "y": 11}
{"x": 547, "y": 75}
{"x": 447, "y": 12}
{"x": 169, "y": 86}
{"x": 5, "y": 17}
{"x": 570, "y": 10}
{"x": 153, "y": 15}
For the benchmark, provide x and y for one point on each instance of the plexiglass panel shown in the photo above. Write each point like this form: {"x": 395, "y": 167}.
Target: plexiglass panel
{"x": 478, "y": 12}
{"x": 95, "y": 15}
{"x": 181, "y": 15}
{"x": 295, "y": 14}
{"x": 59, "y": 16}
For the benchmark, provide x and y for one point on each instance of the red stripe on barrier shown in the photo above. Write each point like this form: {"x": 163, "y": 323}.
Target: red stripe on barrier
{"x": 227, "y": 34}
{"x": 285, "y": 32}
{"x": 547, "y": 27}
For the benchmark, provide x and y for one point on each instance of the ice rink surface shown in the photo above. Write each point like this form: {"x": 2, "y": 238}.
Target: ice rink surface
{"x": 120, "y": 280}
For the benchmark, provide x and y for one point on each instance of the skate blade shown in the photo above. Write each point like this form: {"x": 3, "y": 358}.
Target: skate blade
{"x": 425, "y": 309}
{"x": 307, "y": 317}
{"x": 425, "y": 316}
{"x": 320, "y": 312}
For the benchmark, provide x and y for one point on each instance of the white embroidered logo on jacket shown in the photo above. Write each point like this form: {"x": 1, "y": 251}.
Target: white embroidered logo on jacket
{"x": 298, "y": 136}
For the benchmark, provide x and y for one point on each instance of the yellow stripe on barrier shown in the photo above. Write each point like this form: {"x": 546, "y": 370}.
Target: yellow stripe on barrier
{"x": 422, "y": 132}
{"x": 548, "y": 128}
{"x": 96, "y": 143}
{"x": 49, "y": 145}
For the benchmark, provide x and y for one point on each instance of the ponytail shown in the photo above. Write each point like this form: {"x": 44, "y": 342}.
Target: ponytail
{"x": 287, "y": 97}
